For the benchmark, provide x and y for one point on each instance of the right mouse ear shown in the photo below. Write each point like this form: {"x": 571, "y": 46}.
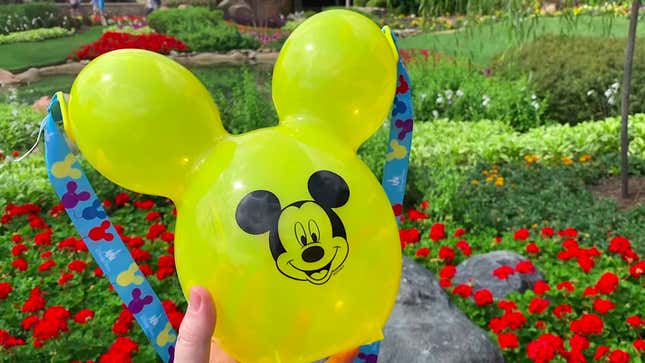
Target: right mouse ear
{"x": 257, "y": 212}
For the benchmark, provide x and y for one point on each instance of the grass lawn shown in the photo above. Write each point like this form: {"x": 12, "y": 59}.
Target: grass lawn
{"x": 20, "y": 56}
{"x": 480, "y": 44}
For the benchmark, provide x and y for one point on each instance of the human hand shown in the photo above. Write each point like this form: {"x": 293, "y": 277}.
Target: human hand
{"x": 195, "y": 343}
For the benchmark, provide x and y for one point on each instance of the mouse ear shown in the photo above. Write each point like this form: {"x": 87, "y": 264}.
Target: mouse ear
{"x": 328, "y": 189}
{"x": 258, "y": 211}
{"x": 142, "y": 120}
{"x": 337, "y": 70}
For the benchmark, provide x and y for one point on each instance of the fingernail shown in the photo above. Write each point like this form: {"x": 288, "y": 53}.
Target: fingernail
{"x": 195, "y": 300}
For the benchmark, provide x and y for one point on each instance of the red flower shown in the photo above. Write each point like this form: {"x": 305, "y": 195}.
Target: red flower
{"x": 619, "y": 244}
{"x": 507, "y": 305}
{"x": 5, "y": 289}
{"x": 578, "y": 343}
{"x": 121, "y": 199}
{"x": 83, "y": 316}
{"x": 447, "y": 254}
{"x": 565, "y": 285}
{"x": 29, "y": 322}
{"x": 445, "y": 283}
{"x": 521, "y": 234}
{"x": 508, "y": 341}
{"x": 463, "y": 290}
{"x": 514, "y": 320}
{"x": 561, "y": 310}
{"x": 538, "y": 305}
{"x": 639, "y": 344}
{"x": 437, "y": 232}
{"x": 532, "y": 248}
{"x": 424, "y": 204}
{"x": 587, "y": 324}
{"x": 15, "y": 153}
{"x": 46, "y": 255}
{"x": 601, "y": 351}
{"x": 459, "y": 232}
{"x": 568, "y": 232}
{"x": 164, "y": 272}
{"x": 483, "y": 297}
{"x": 16, "y": 238}
{"x": 409, "y": 236}
{"x": 168, "y": 237}
{"x": 64, "y": 278}
{"x": 590, "y": 291}
{"x": 107, "y": 204}
{"x": 586, "y": 263}
{"x": 397, "y": 209}
{"x": 415, "y": 215}
{"x": 525, "y": 267}
{"x": 18, "y": 249}
{"x": 77, "y": 266}
{"x": 540, "y": 324}
{"x": 503, "y": 272}
{"x": 35, "y": 301}
{"x": 603, "y": 306}
{"x": 145, "y": 269}
{"x": 135, "y": 242}
{"x": 152, "y": 216}
{"x": 464, "y": 247}
{"x": 635, "y": 321}
{"x": 544, "y": 349}
{"x": 43, "y": 238}
{"x": 140, "y": 255}
{"x": 448, "y": 272}
{"x": 423, "y": 252}
{"x": 547, "y": 232}
{"x": 540, "y": 287}
{"x": 154, "y": 231}
{"x": 607, "y": 283}
{"x": 47, "y": 265}
{"x": 619, "y": 356}
{"x": 498, "y": 239}
{"x": 144, "y": 204}
{"x": 174, "y": 316}
{"x": 637, "y": 270}
{"x": 20, "y": 264}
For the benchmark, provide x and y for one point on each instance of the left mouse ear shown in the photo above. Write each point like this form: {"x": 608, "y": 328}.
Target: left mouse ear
{"x": 336, "y": 71}
{"x": 328, "y": 189}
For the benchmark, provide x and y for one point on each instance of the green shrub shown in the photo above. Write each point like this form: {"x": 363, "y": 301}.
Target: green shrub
{"x": 201, "y": 29}
{"x": 18, "y": 126}
{"x": 19, "y": 17}
{"x": 448, "y": 89}
{"x": 580, "y": 76}
{"x": 128, "y": 29}
{"x": 34, "y": 35}
{"x": 211, "y": 4}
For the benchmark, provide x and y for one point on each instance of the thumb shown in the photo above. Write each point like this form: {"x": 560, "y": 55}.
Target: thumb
{"x": 196, "y": 330}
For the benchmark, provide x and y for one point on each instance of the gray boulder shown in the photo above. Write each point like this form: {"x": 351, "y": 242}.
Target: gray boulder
{"x": 425, "y": 327}
{"x": 478, "y": 272}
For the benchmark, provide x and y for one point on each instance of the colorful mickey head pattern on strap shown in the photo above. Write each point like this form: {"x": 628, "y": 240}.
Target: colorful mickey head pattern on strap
{"x": 102, "y": 239}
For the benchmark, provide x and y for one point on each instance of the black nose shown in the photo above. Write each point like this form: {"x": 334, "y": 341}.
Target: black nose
{"x": 313, "y": 253}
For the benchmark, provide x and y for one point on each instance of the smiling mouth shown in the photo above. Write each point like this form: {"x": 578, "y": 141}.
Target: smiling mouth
{"x": 321, "y": 273}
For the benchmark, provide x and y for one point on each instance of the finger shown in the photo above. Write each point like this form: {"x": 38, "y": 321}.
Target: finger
{"x": 196, "y": 330}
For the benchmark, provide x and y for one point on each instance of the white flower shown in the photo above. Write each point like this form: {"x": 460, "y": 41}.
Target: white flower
{"x": 535, "y": 104}
{"x": 424, "y": 96}
{"x": 439, "y": 98}
{"x": 448, "y": 93}
{"x": 485, "y": 100}
{"x": 460, "y": 93}
{"x": 611, "y": 100}
{"x": 435, "y": 113}
{"x": 534, "y": 97}
{"x": 615, "y": 86}
{"x": 590, "y": 92}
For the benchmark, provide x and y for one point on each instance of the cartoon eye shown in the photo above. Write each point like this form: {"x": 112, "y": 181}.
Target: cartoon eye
{"x": 301, "y": 235}
{"x": 314, "y": 231}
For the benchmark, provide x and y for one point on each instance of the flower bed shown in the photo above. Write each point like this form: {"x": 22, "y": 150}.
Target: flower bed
{"x": 110, "y": 41}
{"x": 589, "y": 307}
{"x": 35, "y": 35}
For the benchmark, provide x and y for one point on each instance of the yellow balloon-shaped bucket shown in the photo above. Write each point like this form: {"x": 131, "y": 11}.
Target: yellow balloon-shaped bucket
{"x": 285, "y": 226}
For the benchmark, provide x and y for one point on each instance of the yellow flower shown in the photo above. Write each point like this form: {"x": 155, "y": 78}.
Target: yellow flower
{"x": 485, "y": 172}
{"x": 566, "y": 160}
{"x": 577, "y": 10}
{"x": 499, "y": 181}
{"x": 475, "y": 182}
{"x": 534, "y": 226}
{"x": 530, "y": 158}
{"x": 584, "y": 158}
{"x": 489, "y": 179}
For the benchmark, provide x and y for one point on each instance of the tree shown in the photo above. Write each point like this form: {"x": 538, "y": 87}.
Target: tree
{"x": 627, "y": 77}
